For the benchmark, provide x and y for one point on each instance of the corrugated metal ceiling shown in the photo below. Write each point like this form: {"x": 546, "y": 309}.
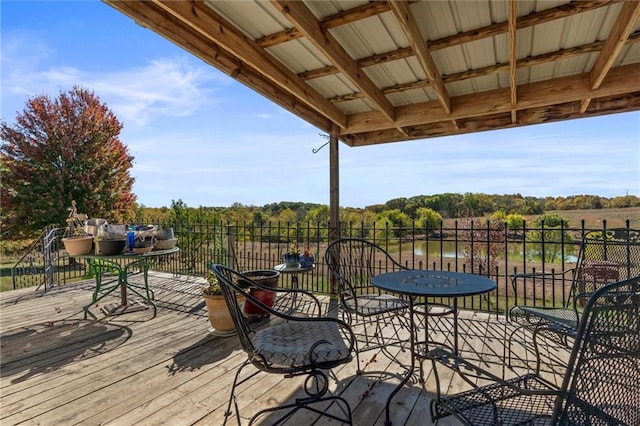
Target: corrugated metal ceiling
{"x": 329, "y": 61}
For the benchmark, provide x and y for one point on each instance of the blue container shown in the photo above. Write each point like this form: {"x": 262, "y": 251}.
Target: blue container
{"x": 306, "y": 261}
{"x": 291, "y": 259}
{"x": 131, "y": 239}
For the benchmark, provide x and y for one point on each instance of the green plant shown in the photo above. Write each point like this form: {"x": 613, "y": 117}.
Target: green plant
{"x": 213, "y": 289}
{"x": 293, "y": 249}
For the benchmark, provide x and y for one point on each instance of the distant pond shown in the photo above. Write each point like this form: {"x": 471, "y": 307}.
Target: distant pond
{"x": 448, "y": 249}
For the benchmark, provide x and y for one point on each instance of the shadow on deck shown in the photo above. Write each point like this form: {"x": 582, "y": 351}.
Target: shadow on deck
{"x": 57, "y": 368}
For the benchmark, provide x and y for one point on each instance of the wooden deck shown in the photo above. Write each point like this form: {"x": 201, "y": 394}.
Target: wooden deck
{"x": 59, "y": 369}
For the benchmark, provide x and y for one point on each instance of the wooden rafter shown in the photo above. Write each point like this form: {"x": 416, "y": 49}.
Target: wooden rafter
{"x": 617, "y": 38}
{"x": 532, "y": 19}
{"x": 343, "y": 18}
{"x": 302, "y": 18}
{"x": 209, "y": 24}
{"x": 513, "y": 78}
{"x": 407, "y": 22}
{"x": 530, "y": 61}
{"x": 377, "y": 7}
{"x": 478, "y": 72}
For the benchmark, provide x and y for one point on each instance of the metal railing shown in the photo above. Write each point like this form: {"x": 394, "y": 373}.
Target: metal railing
{"x": 480, "y": 247}
{"x": 40, "y": 264}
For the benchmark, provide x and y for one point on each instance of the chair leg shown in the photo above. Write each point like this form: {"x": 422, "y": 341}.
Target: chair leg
{"x": 514, "y": 313}
{"x": 537, "y": 351}
{"x": 232, "y": 396}
{"x": 306, "y": 404}
{"x": 509, "y": 343}
{"x": 316, "y": 386}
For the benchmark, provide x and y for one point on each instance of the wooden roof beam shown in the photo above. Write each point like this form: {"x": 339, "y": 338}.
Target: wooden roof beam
{"x": 302, "y": 18}
{"x": 206, "y": 22}
{"x": 530, "y": 20}
{"x": 617, "y": 38}
{"x": 572, "y": 88}
{"x": 342, "y": 18}
{"x": 537, "y": 115}
{"x": 408, "y": 23}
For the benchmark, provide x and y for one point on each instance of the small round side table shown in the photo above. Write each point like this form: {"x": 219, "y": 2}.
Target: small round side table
{"x": 283, "y": 268}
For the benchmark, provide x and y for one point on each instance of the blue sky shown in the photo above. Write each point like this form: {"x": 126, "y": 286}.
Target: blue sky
{"x": 199, "y": 136}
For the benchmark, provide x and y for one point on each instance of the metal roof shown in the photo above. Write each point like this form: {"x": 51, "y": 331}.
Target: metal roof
{"x": 377, "y": 72}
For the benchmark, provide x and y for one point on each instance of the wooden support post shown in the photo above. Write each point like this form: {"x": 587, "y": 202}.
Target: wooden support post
{"x": 334, "y": 195}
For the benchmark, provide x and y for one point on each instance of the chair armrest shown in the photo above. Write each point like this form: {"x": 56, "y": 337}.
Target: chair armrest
{"x": 541, "y": 275}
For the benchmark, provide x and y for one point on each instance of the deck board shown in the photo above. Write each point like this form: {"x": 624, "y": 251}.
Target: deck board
{"x": 59, "y": 369}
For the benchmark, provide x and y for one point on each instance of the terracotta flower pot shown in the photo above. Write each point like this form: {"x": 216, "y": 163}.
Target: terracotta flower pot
{"x": 219, "y": 316}
{"x": 77, "y": 246}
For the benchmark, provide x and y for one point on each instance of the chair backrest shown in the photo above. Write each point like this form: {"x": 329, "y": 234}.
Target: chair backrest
{"x": 602, "y": 383}
{"x": 606, "y": 257}
{"x": 353, "y": 261}
{"x": 233, "y": 297}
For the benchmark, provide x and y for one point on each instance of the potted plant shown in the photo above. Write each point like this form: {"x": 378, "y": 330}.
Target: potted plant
{"x": 292, "y": 257}
{"x": 267, "y": 278}
{"x": 306, "y": 259}
{"x": 219, "y": 316}
{"x": 76, "y": 240}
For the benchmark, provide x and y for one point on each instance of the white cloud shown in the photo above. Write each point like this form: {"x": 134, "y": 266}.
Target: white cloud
{"x": 163, "y": 87}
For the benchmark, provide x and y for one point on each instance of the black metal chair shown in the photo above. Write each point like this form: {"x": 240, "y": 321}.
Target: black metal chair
{"x": 293, "y": 346}
{"x": 353, "y": 262}
{"x": 601, "y": 384}
{"x": 604, "y": 257}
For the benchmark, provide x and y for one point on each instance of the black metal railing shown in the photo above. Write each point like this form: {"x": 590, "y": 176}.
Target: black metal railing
{"x": 488, "y": 248}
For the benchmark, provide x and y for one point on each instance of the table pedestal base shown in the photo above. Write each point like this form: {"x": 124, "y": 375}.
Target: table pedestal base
{"x": 118, "y": 309}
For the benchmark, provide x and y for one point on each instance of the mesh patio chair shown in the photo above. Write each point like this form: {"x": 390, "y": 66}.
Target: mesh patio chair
{"x": 353, "y": 261}
{"x": 605, "y": 257}
{"x": 294, "y": 346}
{"x": 600, "y": 385}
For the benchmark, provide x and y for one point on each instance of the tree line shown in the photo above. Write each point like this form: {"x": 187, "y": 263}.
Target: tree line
{"x": 448, "y": 205}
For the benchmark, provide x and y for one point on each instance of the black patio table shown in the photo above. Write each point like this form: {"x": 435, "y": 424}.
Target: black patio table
{"x": 416, "y": 283}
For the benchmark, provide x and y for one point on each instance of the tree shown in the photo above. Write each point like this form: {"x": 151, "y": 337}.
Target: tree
{"x": 428, "y": 218}
{"x": 513, "y": 221}
{"x": 62, "y": 150}
{"x": 318, "y": 214}
{"x": 396, "y": 220}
